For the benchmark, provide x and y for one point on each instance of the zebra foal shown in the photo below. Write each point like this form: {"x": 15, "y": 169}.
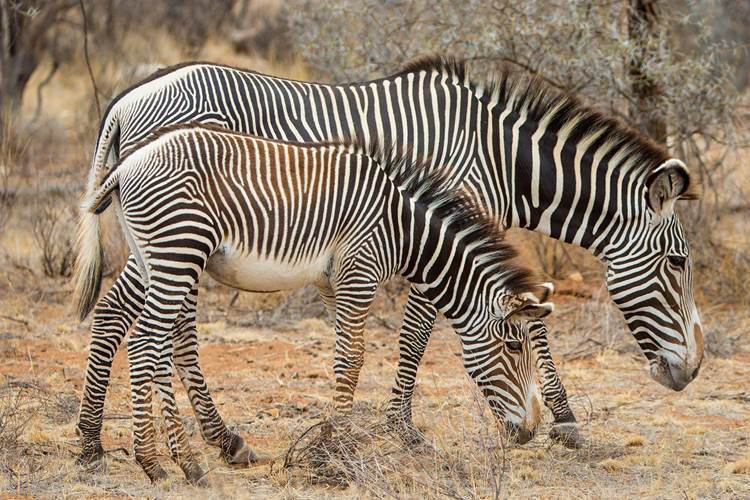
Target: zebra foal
{"x": 262, "y": 215}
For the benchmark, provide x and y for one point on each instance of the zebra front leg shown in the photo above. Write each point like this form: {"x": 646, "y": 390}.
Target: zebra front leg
{"x": 353, "y": 302}
{"x": 416, "y": 327}
{"x": 233, "y": 448}
{"x": 113, "y": 316}
{"x": 564, "y": 428}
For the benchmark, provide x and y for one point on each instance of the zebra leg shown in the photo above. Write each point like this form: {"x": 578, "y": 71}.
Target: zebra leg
{"x": 353, "y": 302}
{"x": 150, "y": 357}
{"x": 113, "y": 316}
{"x": 419, "y": 317}
{"x": 233, "y": 448}
{"x": 177, "y": 441}
{"x": 555, "y": 397}
{"x": 328, "y": 297}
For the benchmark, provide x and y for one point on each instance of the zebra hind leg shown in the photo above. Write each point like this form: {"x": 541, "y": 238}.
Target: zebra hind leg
{"x": 113, "y": 316}
{"x": 234, "y": 451}
{"x": 150, "y": 349}
{"x": 419, "y": 317}
{"x": 177, "y": 441}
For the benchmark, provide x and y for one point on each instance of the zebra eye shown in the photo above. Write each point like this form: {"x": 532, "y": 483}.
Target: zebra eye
{"x": 513, "y": 345}
{"x": 677, "y": 261}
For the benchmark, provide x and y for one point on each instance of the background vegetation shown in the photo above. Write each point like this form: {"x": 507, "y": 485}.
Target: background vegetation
{"x": 676, "y": 69}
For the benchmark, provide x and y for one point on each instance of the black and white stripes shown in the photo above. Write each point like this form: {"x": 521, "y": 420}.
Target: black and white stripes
{"x": 529, "y": 156}
{"x": 263, "y": 215}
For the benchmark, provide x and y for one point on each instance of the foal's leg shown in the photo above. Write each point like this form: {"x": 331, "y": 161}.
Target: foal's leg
{"x": 177, "y": 440}
{"x": 353, "y": 299}
{"x": 113, "y": 316}
{"x": 150, "y": 354}
{"x": 233, "y": 448}
{"x": 419, "y": 317}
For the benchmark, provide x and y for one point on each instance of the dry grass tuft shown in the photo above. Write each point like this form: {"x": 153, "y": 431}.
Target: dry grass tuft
{"x": 635, "y": 441}
{"x": 359, "y": 451}
{"x": 28, "y": 414}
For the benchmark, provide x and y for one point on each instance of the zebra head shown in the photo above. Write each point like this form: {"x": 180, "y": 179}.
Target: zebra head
{"x": 650, "y": 279}
{"x": 500, "y": 359}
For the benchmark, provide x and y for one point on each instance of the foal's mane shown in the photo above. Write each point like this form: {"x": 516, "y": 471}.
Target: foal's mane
{"x": 431, "y": 187}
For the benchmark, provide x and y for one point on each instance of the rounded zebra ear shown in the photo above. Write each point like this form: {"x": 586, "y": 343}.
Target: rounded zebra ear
{"x": 668, "y": 182}
{"x": 530, "y": 309}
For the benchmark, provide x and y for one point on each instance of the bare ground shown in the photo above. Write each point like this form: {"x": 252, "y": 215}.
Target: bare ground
{"x": 270, "y": 374}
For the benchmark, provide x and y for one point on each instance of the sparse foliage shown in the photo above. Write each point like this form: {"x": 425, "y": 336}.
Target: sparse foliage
{"x": 53, "y": 232}
{"x": 29, "y": 30}
{"x": 655, "y": 65}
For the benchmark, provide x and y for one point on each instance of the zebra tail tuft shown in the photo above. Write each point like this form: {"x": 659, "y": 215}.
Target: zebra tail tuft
{"x": 90, "y": 255}
{"x": 89, "y": 263}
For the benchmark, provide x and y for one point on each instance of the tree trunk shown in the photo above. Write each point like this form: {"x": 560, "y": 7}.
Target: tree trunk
{"x": 24, "y": 29}
{"x": 644, "y": 29}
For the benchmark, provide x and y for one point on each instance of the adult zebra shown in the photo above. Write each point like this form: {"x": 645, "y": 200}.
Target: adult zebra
{"x": 531, "y": 157}
{"x": 264, "y": 215}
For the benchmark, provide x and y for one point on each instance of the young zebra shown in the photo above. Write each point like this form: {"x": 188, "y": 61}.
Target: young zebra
{"x": 262, "y": 215}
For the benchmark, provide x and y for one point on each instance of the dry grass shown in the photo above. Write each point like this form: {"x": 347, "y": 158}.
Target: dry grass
{"x": 274, "y": 382}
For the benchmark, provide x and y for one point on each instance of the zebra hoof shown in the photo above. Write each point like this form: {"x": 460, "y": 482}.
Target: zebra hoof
{"x": 238, "y": 453}
{"x": 195, "y": 475}
{"x": 156, "y": 474}
{"x": 408, "y": 433}
{"x": 90, "y": 454}
{"x": 566, "y": 433}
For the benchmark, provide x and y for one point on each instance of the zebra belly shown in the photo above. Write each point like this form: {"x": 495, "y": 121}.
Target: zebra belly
{"x": 254, "y": 274}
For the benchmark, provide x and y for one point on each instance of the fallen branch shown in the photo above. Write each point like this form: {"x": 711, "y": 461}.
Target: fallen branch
{"x": 10, "y": 318}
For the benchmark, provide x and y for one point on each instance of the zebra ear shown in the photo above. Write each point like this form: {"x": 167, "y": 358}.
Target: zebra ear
{"x": 668, "y": 182}
{"x": 530, "y": 309}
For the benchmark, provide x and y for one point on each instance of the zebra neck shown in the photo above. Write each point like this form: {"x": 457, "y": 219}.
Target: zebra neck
{"x": 583, "y": 192}
{"x": 433, "y": 257}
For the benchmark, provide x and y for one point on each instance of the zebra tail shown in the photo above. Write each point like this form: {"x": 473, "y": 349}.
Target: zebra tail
{"x": 90, "y": 254}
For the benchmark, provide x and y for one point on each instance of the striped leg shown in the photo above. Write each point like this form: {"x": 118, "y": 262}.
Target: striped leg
{"x": 177, "y": 440}
{"x": 553, "y": 392}
{"x": 419, "y": 317}
{"x": 150, "y": 357}
{"x": 353, "y": 300}
{"x": 113, "y": 316}
{"x": 233, "y": 448}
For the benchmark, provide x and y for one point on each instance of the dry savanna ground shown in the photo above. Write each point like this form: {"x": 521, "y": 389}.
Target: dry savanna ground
{"x": 268, "y": 361}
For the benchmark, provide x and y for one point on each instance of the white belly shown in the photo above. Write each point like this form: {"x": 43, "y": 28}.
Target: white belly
{"x": 254, "y": 274}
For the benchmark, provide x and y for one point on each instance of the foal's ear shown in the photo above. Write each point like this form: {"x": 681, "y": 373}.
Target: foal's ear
{"x": 668, "y": 182}
{"x": 529, "y": 310}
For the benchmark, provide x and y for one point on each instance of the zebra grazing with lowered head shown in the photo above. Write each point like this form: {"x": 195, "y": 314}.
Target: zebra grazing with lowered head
{"x": 531, "y": 157}
{"x": 263, "y": 215}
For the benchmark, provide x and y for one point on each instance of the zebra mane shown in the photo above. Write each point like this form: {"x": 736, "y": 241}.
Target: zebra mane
{"x": 431, "y": 188}
{"x": 556, "y": 109}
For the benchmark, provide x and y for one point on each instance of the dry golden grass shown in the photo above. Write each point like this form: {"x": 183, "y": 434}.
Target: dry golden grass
{"x": 273, "y": 383}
